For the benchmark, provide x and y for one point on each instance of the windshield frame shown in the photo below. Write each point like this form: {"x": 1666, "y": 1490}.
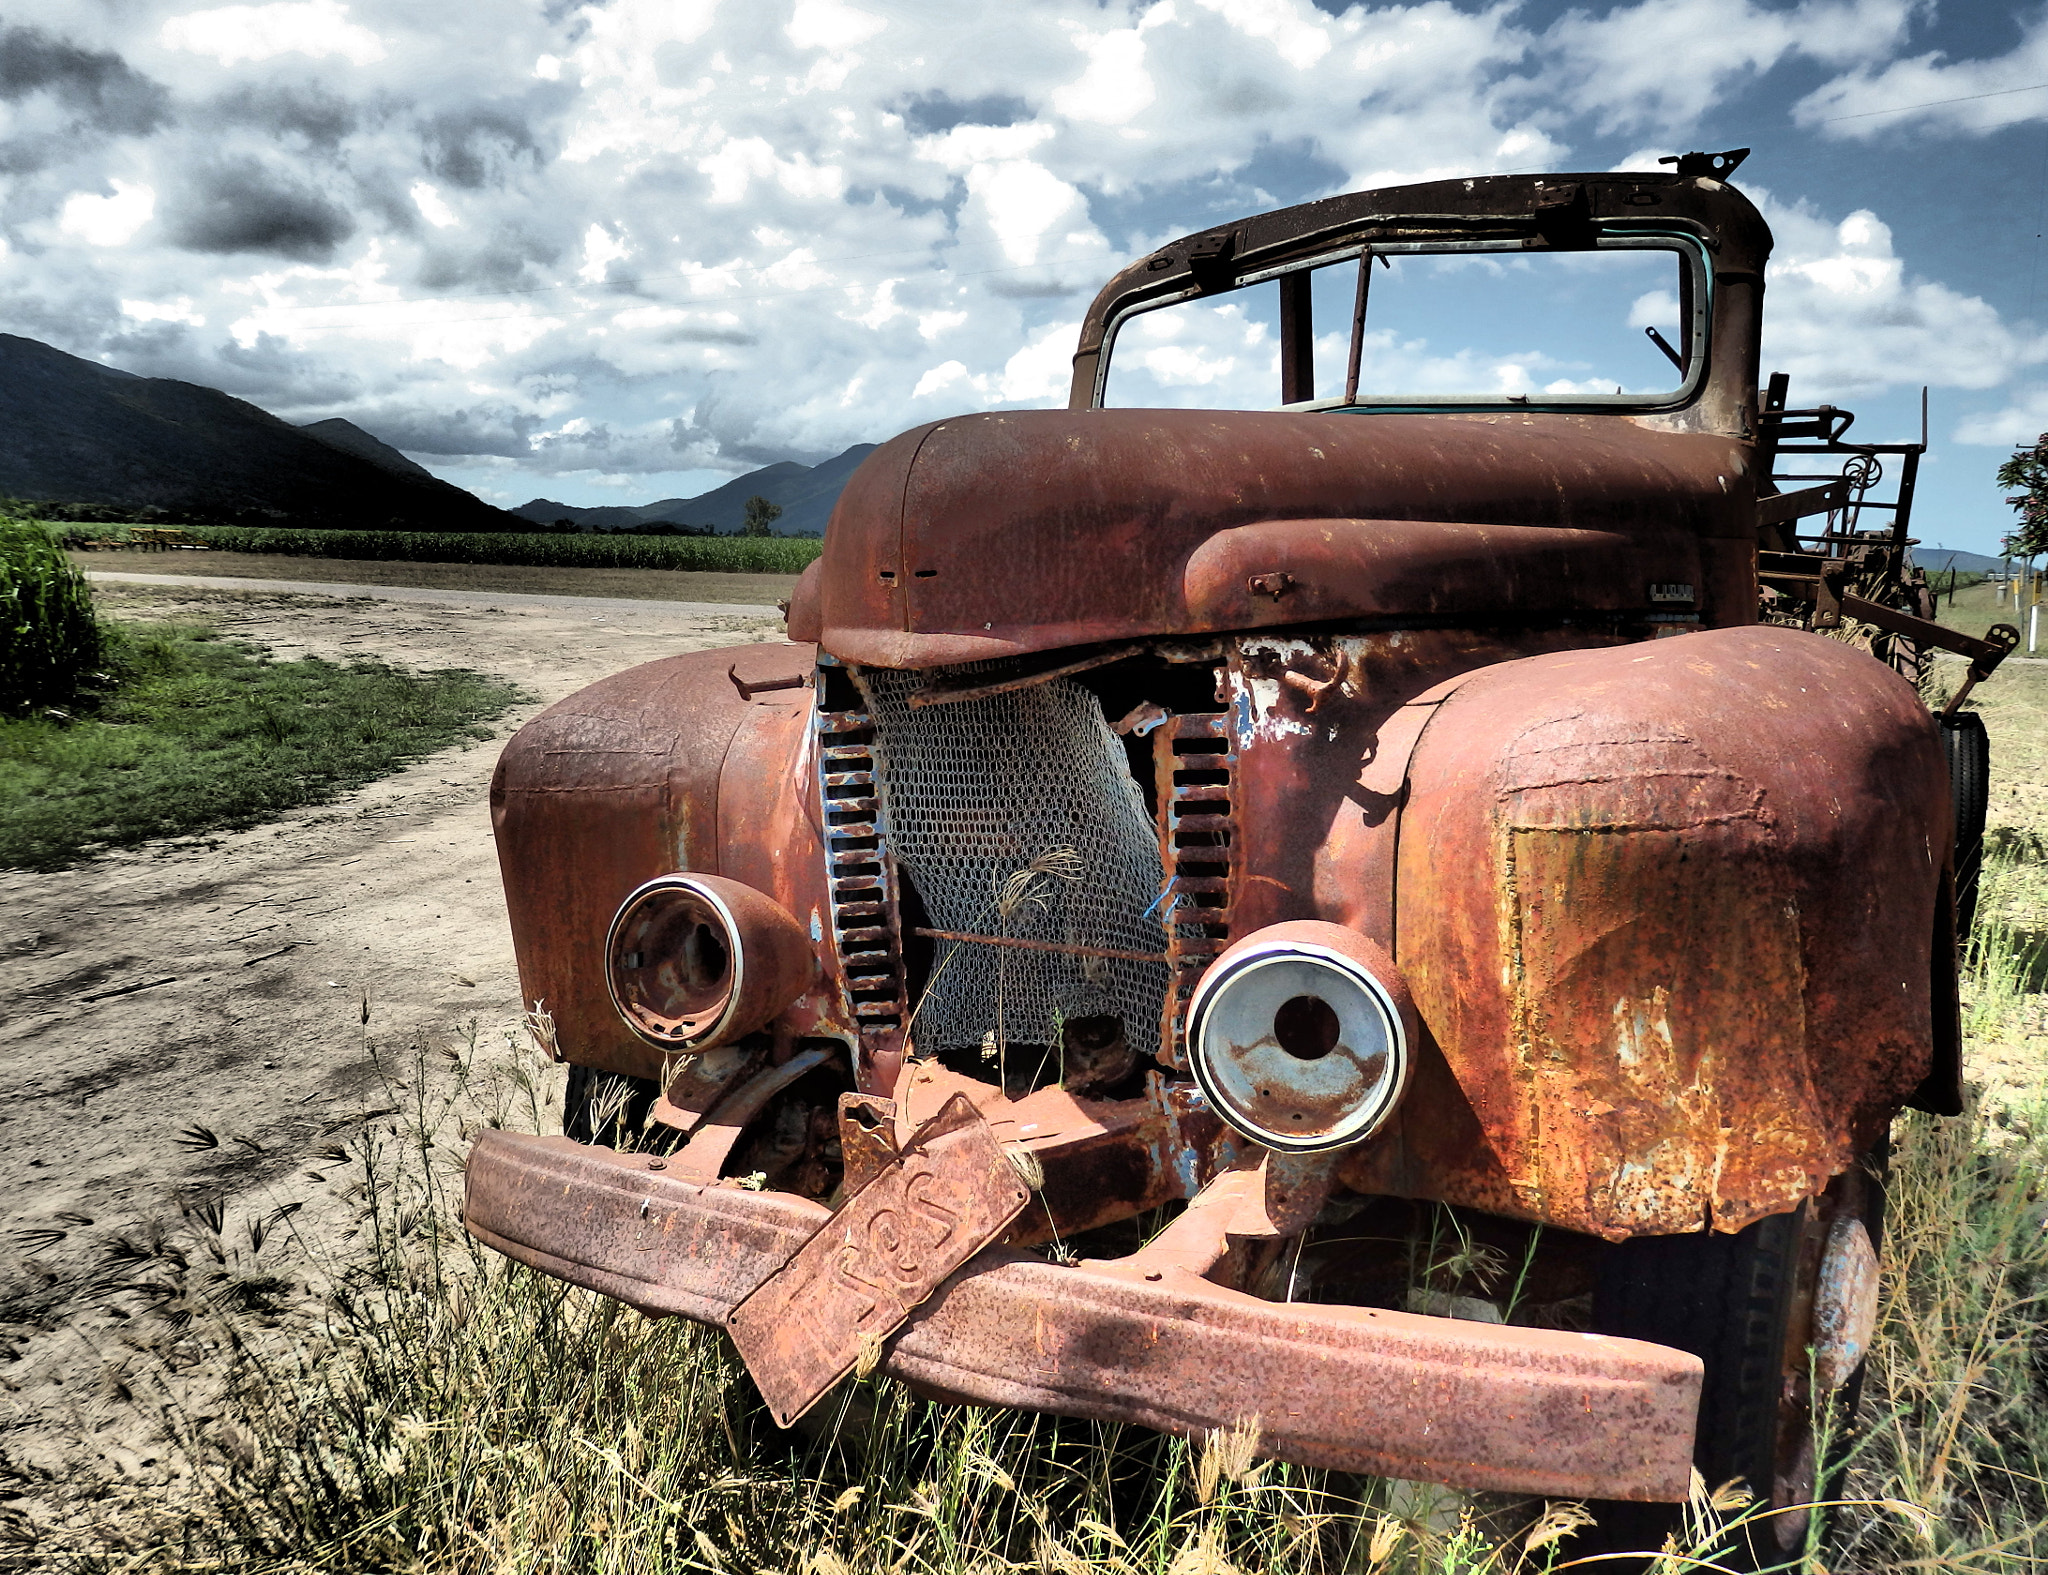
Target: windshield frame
{"x": 1696, "y": 306}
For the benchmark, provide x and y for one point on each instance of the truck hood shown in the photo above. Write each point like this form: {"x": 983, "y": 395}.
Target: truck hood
{"x": 990, "y": 536}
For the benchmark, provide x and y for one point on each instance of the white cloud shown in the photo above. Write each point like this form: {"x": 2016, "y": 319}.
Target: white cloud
{"x": 963, "y": 147}
{"x": 1115, "y": 86}
{"x": 2019, "y": 423}
{"x": 1845, "y": 318}
{"x": 432, "y": 205}
{"x": 1964, "y": 95}
{"x": 601, "y": 249}
{"x": 944, "y": 375}
{"x": 178, "y": 311}
{"x": 1667, "y": 61}
{"x": 1040, "y": 373}
{"x": 829, "y": 24}
{"x": 236, "y": 33}
{"x": 109, "y": 220}
{"x": 838, "y": 215}
{"x": 1299, "y": 41}
{"x": 1024, "y": 204}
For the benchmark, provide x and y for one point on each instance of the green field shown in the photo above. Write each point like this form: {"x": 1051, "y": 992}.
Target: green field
{"x": 698, "y": 554}
{"x": 1974, "y": 608}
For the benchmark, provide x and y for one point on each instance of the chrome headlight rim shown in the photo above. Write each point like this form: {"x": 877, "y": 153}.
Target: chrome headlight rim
{"x": 1296, "y": 943}
{"x": 630, "y": 1013}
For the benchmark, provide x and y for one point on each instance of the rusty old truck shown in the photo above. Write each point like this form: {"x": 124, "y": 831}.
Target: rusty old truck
{"x": 1398, "y": 916}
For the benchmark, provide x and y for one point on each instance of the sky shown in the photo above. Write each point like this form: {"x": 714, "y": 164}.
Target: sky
{"x": 613, "y": 252}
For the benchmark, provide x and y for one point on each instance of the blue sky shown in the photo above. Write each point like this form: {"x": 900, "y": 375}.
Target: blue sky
{"x": 612, "y": 252}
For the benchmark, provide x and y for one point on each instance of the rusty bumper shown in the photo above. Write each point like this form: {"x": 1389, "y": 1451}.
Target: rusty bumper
{"x": 1352, "y": 1388}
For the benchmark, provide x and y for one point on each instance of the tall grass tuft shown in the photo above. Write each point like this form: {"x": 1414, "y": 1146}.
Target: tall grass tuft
{"x": 440, "y": 1409}
{"x": 2008, "y": 948}
{"x": 49, "y": 641}
{"x": 1955, "y": 1415}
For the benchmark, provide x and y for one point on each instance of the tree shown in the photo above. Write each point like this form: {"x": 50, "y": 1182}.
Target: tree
{"x": 760, "y": 515}
{"x": 2027, "y": 470}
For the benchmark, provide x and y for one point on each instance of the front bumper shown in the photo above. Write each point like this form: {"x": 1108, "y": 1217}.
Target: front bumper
{"x": 1361, "y": 1389}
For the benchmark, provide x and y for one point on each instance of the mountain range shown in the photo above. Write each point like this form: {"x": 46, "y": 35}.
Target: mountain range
{"x": 806, "y": 493}
{"x": 1942, "y": 559}
{"x": 84, "y": 434}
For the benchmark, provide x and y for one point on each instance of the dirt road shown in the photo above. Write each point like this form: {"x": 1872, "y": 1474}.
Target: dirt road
{"x": 633, "y": 584}
{"x": 223, "y": 983}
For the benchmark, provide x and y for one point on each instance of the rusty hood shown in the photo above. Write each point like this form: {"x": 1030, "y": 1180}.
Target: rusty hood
{"x": 1001, "y": 534}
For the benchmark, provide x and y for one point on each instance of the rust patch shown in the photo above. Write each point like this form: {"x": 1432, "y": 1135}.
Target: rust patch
{"x": 1676, "y": 959}
{"x": 867, "y": 1139}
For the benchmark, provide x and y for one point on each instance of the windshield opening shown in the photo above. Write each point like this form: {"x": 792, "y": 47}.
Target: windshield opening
{"x": 1483, "y": 325}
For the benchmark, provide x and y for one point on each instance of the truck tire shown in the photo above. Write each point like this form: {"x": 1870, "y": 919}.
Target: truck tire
{"x": 1731, "y": 1301}
{"x": 1968, "y": 748}
{"x": 608, "y": 1109}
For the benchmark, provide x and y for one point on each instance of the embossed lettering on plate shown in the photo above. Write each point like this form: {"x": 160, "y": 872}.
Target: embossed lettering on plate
{"x": 950, "y": 1193}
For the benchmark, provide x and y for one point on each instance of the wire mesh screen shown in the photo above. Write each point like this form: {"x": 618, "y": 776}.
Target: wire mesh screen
{"x": 1017, "y": 819}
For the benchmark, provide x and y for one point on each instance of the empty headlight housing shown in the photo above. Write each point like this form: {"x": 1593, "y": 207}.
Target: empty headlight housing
{"x": 1299, "y": 1036}
{"x": 693, "y": 961}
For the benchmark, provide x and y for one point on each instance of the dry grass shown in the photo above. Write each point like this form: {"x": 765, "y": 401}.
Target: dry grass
{"x": 436, "y": 1408}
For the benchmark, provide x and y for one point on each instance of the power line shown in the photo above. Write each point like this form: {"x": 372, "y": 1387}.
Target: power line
{"x": 1933, "y": 103}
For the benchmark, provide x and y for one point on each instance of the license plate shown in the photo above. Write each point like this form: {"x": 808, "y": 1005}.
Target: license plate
{"x": 951, "y": 1192}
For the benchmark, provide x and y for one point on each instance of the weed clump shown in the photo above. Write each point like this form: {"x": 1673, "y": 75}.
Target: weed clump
{"x": 49, "y": 639}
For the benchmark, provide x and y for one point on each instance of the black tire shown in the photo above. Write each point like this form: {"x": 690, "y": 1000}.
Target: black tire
{"x": 1730, "y": 1300}
{"x": 1968, "y": 748}
{"x": 607, "y": 1109}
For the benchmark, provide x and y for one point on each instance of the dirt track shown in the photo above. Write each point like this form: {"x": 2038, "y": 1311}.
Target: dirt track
{"x": 222, "y": 982}
{"x": 636, "y": 584}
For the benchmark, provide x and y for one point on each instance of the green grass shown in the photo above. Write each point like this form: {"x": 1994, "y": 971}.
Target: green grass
{"x": 199, "y": 734}
{"x": 1976, "y": 607}
{"x": 695, "y": 554}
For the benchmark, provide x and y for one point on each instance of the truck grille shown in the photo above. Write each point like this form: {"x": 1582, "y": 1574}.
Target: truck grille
{"x": 1017, "y": 822}
{"x": 859, "y": 877}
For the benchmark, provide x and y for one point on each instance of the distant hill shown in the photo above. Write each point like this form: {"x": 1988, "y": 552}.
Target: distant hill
{"x": 81, "y": 433}
{"x": 806, "y": 493}
{"x": 352, "y": 439}
{"x": 1946, "y": 558}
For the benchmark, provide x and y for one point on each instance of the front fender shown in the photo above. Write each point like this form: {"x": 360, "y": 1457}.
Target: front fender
{"x": 1668, "y": 910}
{"x": 698, "y": 762}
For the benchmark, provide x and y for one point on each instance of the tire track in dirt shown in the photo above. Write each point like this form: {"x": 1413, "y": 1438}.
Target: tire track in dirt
{"x": 221, "y": 982}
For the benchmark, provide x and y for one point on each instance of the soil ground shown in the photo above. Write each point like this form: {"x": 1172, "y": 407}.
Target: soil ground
{"x": 235, "y": 983}
{"x": 632, "y": 584}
